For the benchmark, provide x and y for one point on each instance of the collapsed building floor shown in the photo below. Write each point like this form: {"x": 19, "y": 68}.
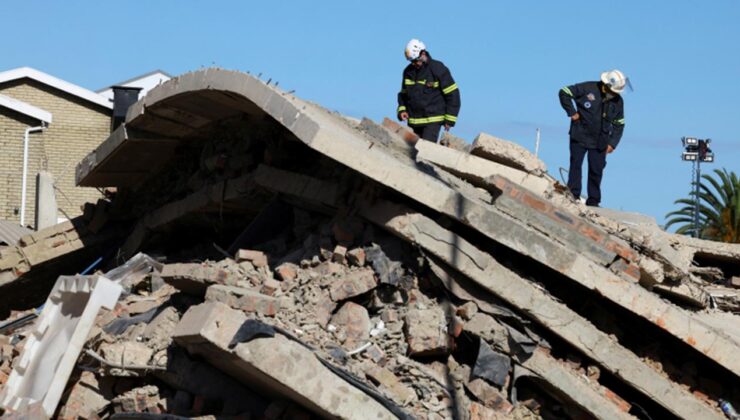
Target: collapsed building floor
{"x": 278, "y": 260}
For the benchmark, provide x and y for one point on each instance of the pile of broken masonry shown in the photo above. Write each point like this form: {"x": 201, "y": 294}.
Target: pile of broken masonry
{"x": 258, "y": 256}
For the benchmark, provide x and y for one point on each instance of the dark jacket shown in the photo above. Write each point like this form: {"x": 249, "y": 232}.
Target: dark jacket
{"x": 601, "y": 121}
{"x": 429, "y": 94}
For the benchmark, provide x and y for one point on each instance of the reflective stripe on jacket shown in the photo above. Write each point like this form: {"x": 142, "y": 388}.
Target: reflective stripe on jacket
{"x": 429, "y": 94}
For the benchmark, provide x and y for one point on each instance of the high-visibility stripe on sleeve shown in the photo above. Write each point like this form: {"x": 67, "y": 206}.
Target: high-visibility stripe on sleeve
{"x": 450, "y": 118}
{"x": 567, "y": 91}
{"x": 408, "y": 82}
{"x": 401, "y": 108}
{"x": 449, "y": 89}
{"x": 619, "y": 121}
{"x": 426, "y": 120}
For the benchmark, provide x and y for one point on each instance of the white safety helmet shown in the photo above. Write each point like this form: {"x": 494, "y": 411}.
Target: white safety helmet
{"x": 414, "y": 49}
{"x": 615, "y": 79}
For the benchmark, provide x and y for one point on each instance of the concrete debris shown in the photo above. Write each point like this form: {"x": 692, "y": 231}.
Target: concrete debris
{"x": 243, "y": 299}
{"x": 507, "y": 153}
{"x": 426, "y": 332}
{"x": 289, "y": 262}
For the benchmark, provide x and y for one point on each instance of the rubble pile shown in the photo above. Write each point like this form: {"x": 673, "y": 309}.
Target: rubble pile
{"x": 258, "y": 256}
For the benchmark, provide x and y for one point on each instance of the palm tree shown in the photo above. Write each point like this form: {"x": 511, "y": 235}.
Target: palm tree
{"x": 719, "y": 209}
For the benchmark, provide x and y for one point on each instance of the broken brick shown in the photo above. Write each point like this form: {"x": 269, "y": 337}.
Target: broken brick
{"x": 270, "y": 286}
{"x": 353, "y": 284}
{"x": 489, "y": 396}
{"x": 287, "y": 271}
{"x": 257, "y": 258}
{"x": 467, "y": 310}
{"x": 340, "y": 254}
{"x": 355, "y": 321}
{"x": 426, "y": 332}
{"x": 145, "y": 399}
{"x": 356, "y": 257}
{"x": 399, "y": 392}
{"x": 243, "y": 299}
{"x": 85, "y": 400}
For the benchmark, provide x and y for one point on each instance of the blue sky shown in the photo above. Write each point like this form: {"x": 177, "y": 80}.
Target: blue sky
{"x": 509, "y": 59}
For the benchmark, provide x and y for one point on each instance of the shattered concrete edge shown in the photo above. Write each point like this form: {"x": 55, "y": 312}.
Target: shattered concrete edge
{"x": 275, "y": 365}
{"x": 60, "y": 332}
{"x": 476, "y": 169}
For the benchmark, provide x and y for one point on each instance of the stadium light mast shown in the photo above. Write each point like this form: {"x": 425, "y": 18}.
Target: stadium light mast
{"x": 696, "y": 151}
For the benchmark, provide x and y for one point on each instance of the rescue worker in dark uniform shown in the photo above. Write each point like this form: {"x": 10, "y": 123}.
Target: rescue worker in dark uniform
{"x": 429, "y": 97}
{"x": 596, "y": 126}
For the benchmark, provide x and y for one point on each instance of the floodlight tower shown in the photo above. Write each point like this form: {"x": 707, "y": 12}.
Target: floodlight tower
{"x": 696, "y": 151}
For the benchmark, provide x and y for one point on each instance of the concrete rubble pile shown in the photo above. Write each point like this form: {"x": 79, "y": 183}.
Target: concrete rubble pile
{"x": 277, "y": 260}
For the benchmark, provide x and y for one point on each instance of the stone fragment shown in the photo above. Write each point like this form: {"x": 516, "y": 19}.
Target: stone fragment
{"x": 399, "y": 392}
{"x": 194, "y": 279}
{"x": 376, "y": 354}
{"x": 481, "y": 412}
{"x": 328, "y": 268}
{"x": 287, "y": 271}
{"x": 257, "y": 258}
{"x": 145, "y": 399}
{"x": 340, "y": 254}
{"x": 489, "y": 396}
{"x": 486, "y": 327}
{"x": 243, "y": 299}
{"x": 356, "y": 257}
{"x": 158, "y": 332}
{"x": 85, "y": 400}
{"x": 353, "y": 284}
{"x": 507, "y": 153}
{"x": 467, "y": 310}
{"x": 387, "y": 270}
{"x": 355, "y": 321}
{"x": 126, "y": 353}
{"x": 279, "y": 365}
{"x": 389, "y": 315}
{"x": 734, "y": 282}
{"x": 426, "y": 332}
{"x": 270, "y": 286}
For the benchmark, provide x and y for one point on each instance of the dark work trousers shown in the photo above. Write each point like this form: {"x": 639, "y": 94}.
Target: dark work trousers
{"x": 428, "y": 132}
{"x": 596, "y": 165}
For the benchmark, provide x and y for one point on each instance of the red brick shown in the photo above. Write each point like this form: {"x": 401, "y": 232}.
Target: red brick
{"x": 481, "y": 412}
{"x": 401, "y": 130}
{"x": 617, "y": 400}
{"x": 287, "y": 271}
{"x": 257, "y": 258}
{"x": 353, "y": 284}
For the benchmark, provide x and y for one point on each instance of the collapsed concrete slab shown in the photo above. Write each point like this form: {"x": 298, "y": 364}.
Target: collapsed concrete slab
{"x": 186, "y": 109}
{"x": 491, "y": 275}
{"x": 275, "y": 365}
{"x": 484, "y": 270}
{"x": 476, "y": 170}
{"x": 52, "y": 350}
{"x": 507, "y": 153}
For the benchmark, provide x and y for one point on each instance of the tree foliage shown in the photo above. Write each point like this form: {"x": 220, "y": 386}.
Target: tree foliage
{"x": 719, "y": 209}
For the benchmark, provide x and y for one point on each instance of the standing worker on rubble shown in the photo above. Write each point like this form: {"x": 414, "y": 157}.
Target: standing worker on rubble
{"x": 429, "y": 96}
{"x": 596, "y": 126}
